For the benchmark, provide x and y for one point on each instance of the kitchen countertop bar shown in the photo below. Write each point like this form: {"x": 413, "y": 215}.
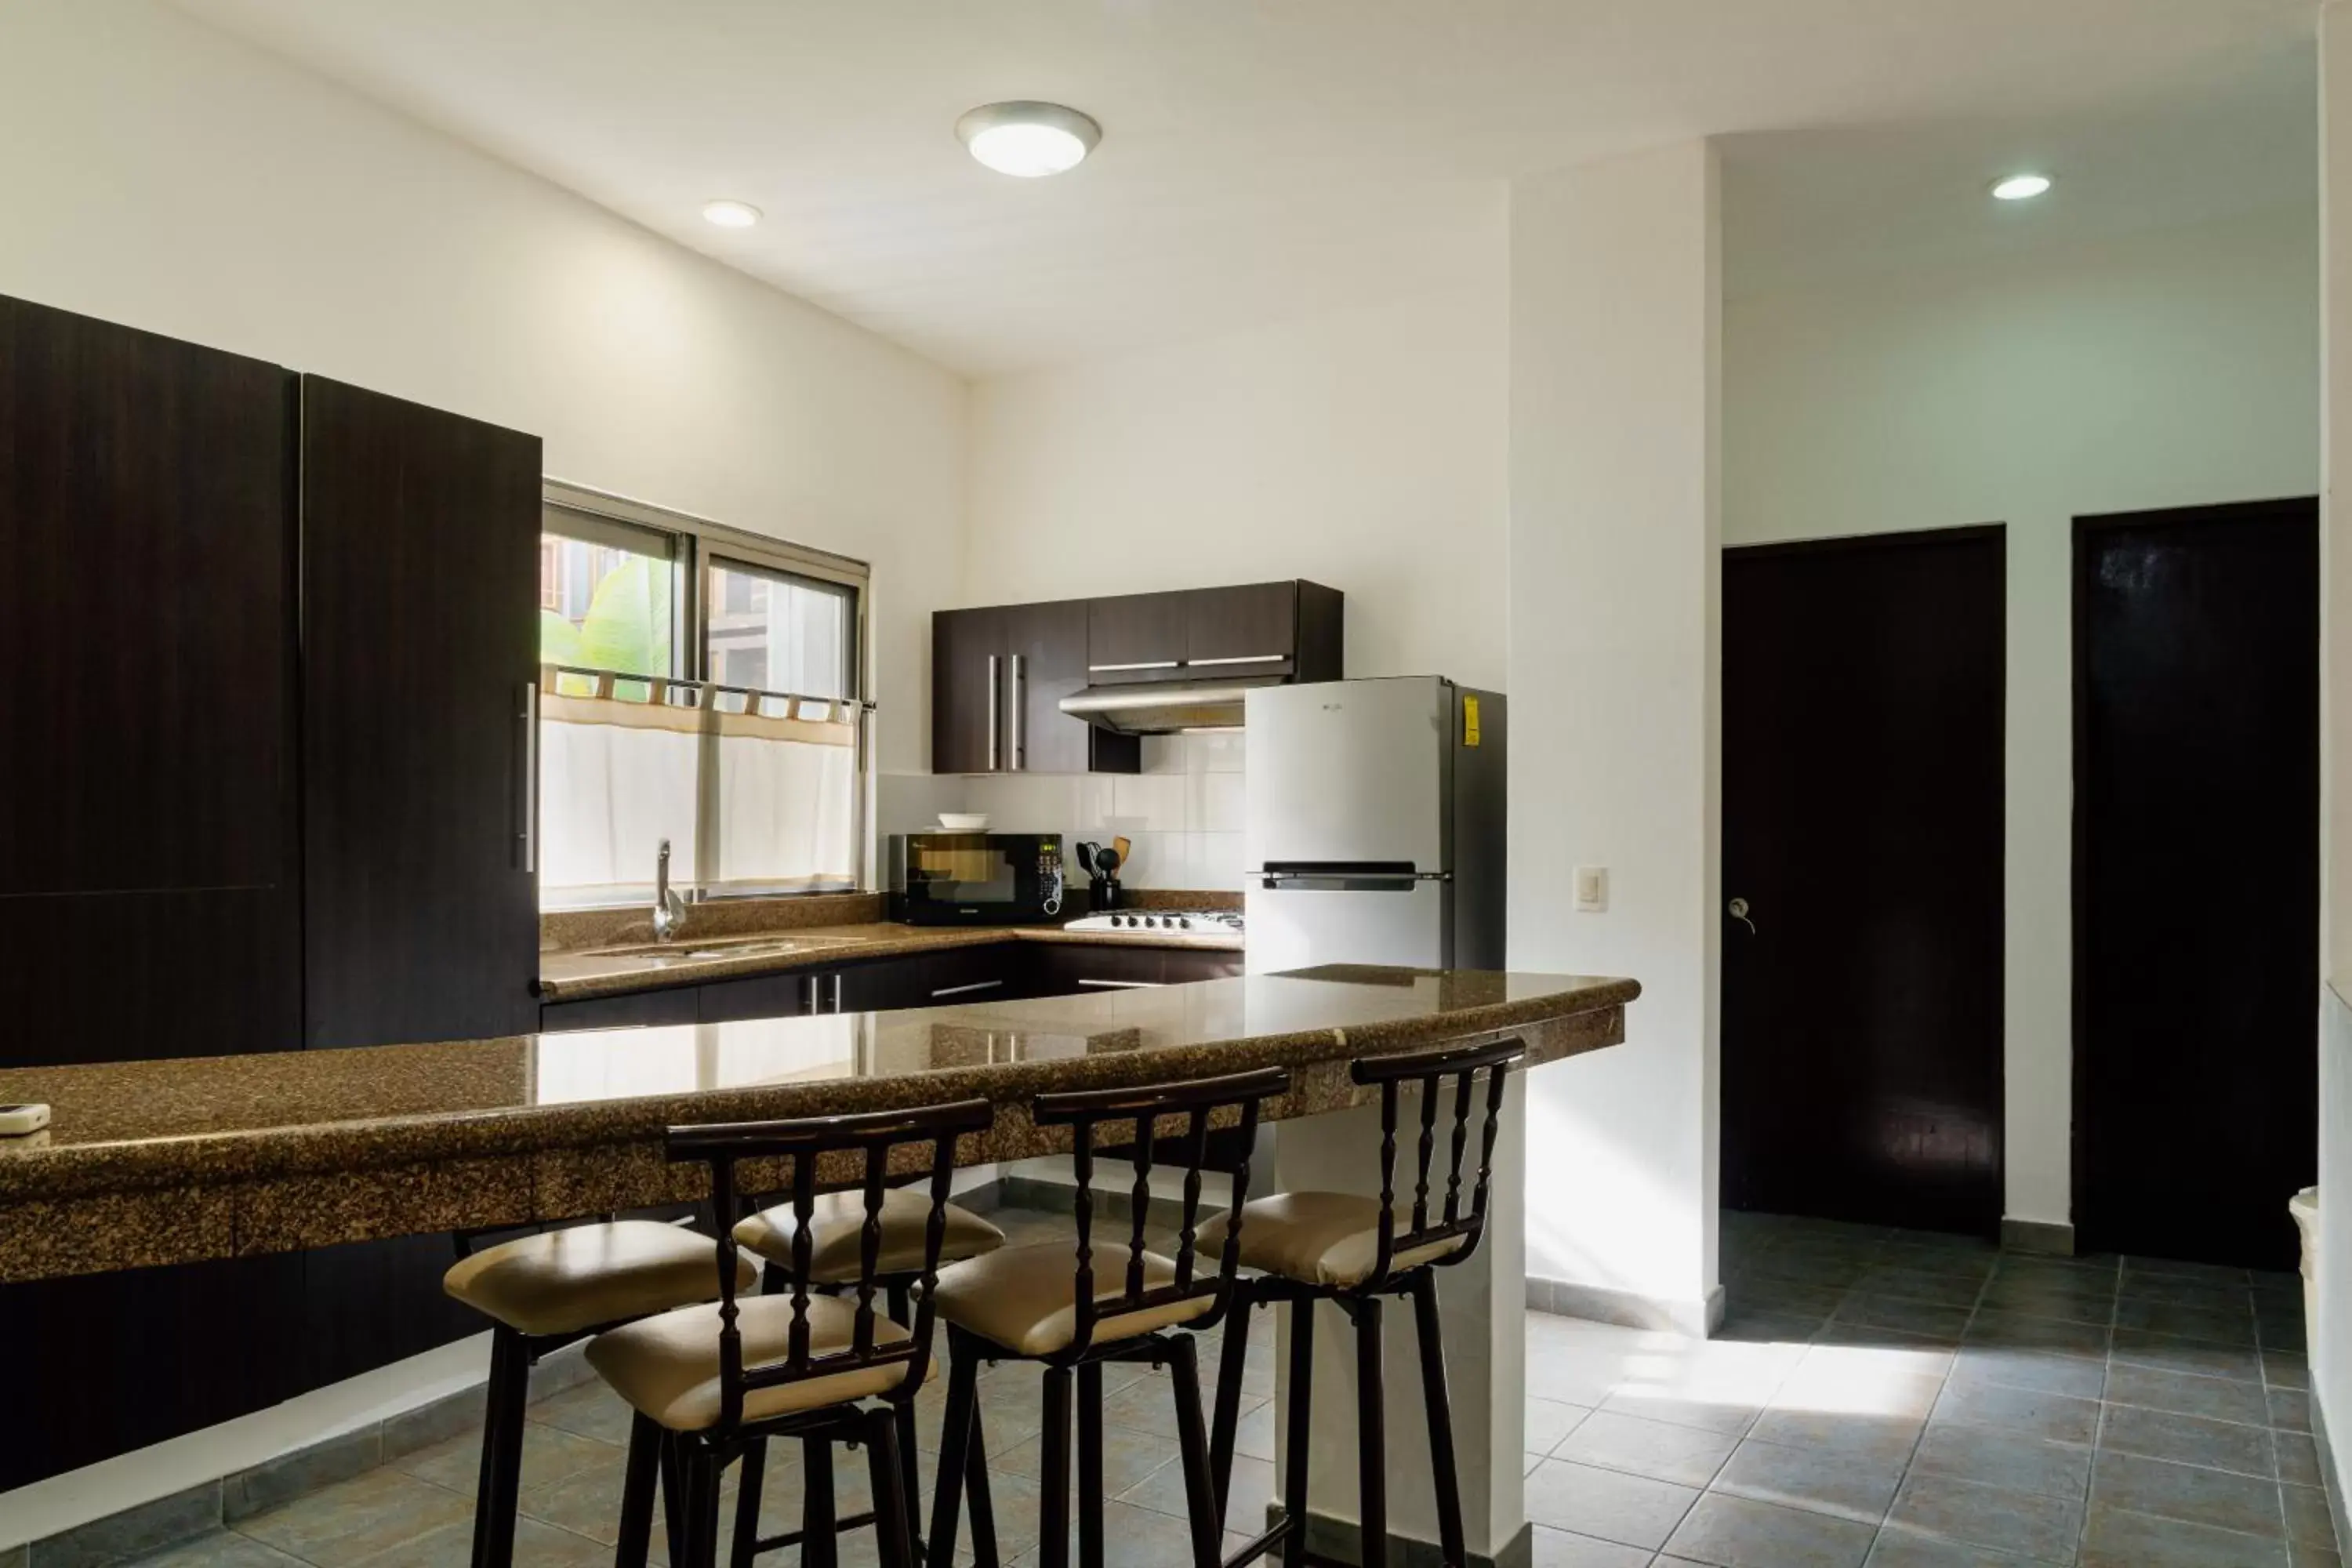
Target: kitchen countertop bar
{"x": 577, "y": 975}
{"x": 154, "y": 1162}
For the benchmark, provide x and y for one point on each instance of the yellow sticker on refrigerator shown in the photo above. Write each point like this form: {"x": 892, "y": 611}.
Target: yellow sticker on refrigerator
{"x": 1469, "y": 719}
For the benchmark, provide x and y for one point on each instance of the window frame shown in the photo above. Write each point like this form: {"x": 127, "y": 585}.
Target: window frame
{"x": 696, "y": 543}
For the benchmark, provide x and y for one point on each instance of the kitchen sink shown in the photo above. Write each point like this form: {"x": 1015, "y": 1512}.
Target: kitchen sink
{"x": 722, "y": 947}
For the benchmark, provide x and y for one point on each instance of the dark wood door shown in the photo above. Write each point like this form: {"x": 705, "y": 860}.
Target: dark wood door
{"x": 1045, "y": 647}
{"x": 2196, "y": 880}
{"x": 1136, "y": 636}
{"x": 149, "y": 890}
{"x": 420, "y": 566}
{"x": 634, "y": 1009}
{"x": 1250, "y": 630}
{"x": 1862, "y": 826}
{"x": 968, "y": 676}
{"x": 764, "y": 996}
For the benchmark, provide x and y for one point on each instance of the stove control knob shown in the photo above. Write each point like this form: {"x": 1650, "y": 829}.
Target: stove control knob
{"x": 1185, "y": 923}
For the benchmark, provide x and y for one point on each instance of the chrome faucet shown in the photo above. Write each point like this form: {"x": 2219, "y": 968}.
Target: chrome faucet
{"x": 669, "y": 907}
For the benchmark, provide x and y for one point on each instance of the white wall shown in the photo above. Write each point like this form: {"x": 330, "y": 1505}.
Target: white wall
{"x": 2169, "y": 368}
{"x": 1363, "y": 449}
{"x": 2331, "y": 1364}
{"x": 156, "y": 172}
{"x": 1614, "y": 575}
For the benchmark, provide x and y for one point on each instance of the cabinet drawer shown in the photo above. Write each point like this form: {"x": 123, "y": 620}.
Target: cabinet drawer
{"x": 764, "y": 996}
{"x": 1180, "y": 966}
{"x": 636, "y": 1008}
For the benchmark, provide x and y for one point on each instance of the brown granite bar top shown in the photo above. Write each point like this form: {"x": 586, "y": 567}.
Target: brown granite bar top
{"x": 572, "y": 977}
{"x": 167, "y": 1162}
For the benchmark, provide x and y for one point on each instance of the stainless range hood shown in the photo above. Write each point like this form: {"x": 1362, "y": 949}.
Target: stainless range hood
{"x": 1165, "y": 707}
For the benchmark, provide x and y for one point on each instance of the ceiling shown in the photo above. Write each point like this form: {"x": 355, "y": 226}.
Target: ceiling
{"x": 1263, "y": 161}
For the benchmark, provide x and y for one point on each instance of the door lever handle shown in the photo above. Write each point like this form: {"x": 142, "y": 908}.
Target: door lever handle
{"x": 1738, "y": 910}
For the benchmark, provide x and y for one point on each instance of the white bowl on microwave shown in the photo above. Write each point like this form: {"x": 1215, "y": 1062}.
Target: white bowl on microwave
{"x": 964, "y": 821}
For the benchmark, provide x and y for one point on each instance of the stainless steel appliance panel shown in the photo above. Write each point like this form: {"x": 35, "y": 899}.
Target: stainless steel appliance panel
{"x": 1348, "y": 771}
{"x": 1294, "y": 926}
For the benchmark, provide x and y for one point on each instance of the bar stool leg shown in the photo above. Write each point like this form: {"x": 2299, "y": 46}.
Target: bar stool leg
{"x": 891, "y": 1523}
{"x": 701, "y": 1467}
{"x": 900, "y": 1298}
{"x": 975, "y": 1479}
{"x": 956, "y": 1443}
{"x": 674, "y": 1500}
{"x": 1090, "y": 1466}
{"x": 820, "y": 1527}
{"x": 1053, "y": 1508}
{"x": 500, "y": 1483}
{"x": 1441, "y": 1417}
{"x": 1229, "y": 1368}
{"x": 1298, "y": 1442}
{"x": 1192, "y": 1440}
{"x": 636, "y": 1541}
{"x": 750, "y": 1480}
{"x": 1372, "y": 1436}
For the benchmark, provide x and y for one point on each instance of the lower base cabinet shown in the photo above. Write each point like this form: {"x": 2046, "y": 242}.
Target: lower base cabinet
{"x": 982, "y": 971}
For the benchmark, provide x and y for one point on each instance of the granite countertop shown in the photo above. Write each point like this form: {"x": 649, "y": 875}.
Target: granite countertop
{"x": 572, "y": 975}
{"x": 166, "y": 1161}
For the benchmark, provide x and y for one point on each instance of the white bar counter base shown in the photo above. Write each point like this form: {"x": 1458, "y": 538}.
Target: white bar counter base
{"x": 1481, "y": 1305}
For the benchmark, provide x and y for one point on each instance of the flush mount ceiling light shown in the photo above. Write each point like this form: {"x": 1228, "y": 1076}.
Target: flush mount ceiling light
{"x": 1028, "y": 139}
{"x": 731, "y": 215}
{"x": 2020, "y": 188}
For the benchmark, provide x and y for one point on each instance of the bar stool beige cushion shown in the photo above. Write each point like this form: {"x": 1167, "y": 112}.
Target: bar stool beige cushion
{"x": 588, "y": 1275}
{"x": 1026, "y": 1298}
{"x": 667, "y": 1367}
{"x": 1318, "y": 1238}
{"x": 836, "y": 1234}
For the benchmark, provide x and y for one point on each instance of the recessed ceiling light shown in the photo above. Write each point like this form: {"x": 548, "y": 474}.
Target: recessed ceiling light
{"x": 731, "y": 215}
{"x": 2020, "y": 188}
{"x": 1028, "y": 139}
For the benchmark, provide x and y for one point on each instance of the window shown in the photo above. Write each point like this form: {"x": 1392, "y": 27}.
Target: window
{"x": 607, "y": 594}
{"x": 779, "y": 631}
{"x": 763, "y": 794}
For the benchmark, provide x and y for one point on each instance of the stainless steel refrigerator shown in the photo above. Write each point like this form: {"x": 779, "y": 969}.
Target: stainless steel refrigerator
{"x": 1376, "y": 831}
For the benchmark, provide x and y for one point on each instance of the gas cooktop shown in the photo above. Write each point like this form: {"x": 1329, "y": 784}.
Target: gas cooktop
{"x": 1161, "y": 922}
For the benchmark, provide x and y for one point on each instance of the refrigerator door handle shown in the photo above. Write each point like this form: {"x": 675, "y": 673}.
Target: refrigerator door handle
{"x": 1346, "y": 877}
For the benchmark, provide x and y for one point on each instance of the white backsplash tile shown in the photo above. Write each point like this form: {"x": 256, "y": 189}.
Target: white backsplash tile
{"x": 1215, "y": 752}
{"x": 1150, "y": 803}
{"x": 1184, "y": 811}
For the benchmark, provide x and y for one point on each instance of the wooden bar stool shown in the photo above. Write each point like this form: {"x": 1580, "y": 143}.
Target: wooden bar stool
{"x": 1044, "y": 1303}
{"x": 1350, "y": 1250}
{"x": 836, "y": 1234}
{"x": 543, "y": 1292}
{"x": 711, "y": 1385}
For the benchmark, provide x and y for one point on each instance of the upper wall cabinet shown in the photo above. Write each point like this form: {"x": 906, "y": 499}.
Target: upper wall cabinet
{"x": 1000, "y": 674}
{"x": 998, "y": 678}
{"x": 1291, "y": 630}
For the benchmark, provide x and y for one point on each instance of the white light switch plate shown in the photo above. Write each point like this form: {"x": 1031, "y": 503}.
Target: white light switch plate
{"x": 1591, "y": 889}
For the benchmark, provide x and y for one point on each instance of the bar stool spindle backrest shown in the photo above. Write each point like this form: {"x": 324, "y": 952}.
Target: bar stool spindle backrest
{"x": 1197, "y": 1105}
{"x": 1463, "y": 1065}
{"x": 804, "y": 1144}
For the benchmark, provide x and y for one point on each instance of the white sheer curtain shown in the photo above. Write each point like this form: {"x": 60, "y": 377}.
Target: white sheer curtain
{"x": 750, "y": 802}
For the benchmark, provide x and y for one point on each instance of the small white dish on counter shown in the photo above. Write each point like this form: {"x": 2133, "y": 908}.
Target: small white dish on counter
{"x": 962, "y": 821}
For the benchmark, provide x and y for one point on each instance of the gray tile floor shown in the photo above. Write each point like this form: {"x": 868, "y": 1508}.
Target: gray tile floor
{"x": 1887, "y": 1397}
{"x": 1914, "y": 1401}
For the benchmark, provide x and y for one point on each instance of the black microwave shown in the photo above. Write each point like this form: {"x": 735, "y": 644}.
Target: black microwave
{"x": 975, "y": 878}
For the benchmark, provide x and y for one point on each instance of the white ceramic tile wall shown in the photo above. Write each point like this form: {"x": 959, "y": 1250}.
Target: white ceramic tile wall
{"x": 1183, "y": 810}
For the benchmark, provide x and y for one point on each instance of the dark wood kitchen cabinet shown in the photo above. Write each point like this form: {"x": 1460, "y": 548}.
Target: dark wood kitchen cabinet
{"x": 149, "y": 885}
{"x": 998, "y": 678}
{"x": 420, "y": 584}
{"x": 1137, "y": 638}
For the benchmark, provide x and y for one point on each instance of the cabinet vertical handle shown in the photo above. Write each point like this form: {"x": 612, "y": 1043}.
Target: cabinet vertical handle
{"x": 1017, "y": 699}
{"x": 812, "y": 994}
{"x": 993, "y": 717}
{"x": 836, "y": 990}
{"x": 527, "y": 803}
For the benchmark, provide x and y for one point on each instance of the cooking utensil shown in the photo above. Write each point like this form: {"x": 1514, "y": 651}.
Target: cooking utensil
{"x": 1109, "y": 861}
{"x": 1086, "y": 856}
{"x": 1122, "y": 846}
